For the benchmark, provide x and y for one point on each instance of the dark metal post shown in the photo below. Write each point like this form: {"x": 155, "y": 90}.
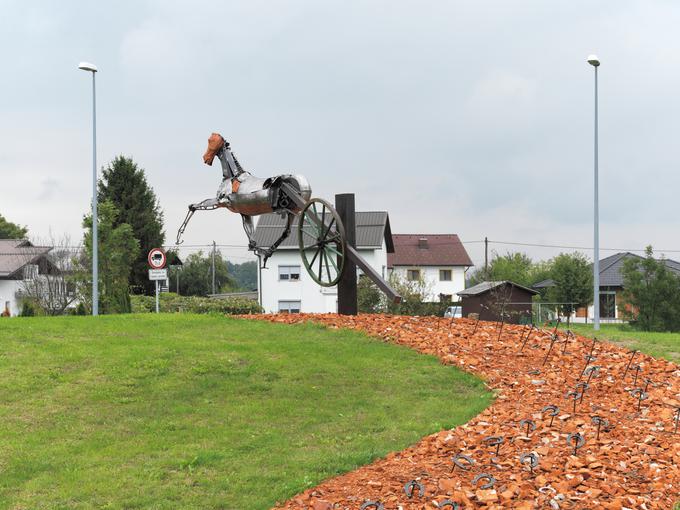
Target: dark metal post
{"x": 347, "y": 286}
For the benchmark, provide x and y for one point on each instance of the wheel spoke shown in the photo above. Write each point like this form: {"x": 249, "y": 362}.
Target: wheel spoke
{"x": 320, "y": 272}
{"x": 330, "y": 248}
{"x": 330, "y": 225}
{"x": 328, "y": 271}
{"x": 313, "y": 224}
{"x": 330, "y": 258}
{"x": 314, "y": 258}
{"x": 310, "y": 235}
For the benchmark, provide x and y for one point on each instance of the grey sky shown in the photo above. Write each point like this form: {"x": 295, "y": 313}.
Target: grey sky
{"x": 472, "y": 118}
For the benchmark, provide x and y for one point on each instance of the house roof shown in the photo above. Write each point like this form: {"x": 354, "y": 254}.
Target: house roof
{"x": 544, "y": 284}
{"x": 483, "y": 287}
{"x": 17, "y": 253}
{"x": 428, "y": 250}
{"x": 610, "y": 268}
{"x": 372, "y": 228}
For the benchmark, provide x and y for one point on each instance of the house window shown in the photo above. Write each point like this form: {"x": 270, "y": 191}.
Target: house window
{"x": 607, "y": 305}
{"x": 444, "y": 275}
{"x": 413, "y": 275}
{"x": 289, "y": 306}
{"x": 289, "y": 273}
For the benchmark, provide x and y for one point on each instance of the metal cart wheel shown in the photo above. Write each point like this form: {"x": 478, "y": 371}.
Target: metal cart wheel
{"x": 321, "y": 237}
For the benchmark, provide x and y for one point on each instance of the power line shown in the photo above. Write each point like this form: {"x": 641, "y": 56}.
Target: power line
{"x": 577, "y": 247}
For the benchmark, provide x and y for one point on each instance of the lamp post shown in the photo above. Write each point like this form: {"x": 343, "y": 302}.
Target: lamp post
{"x": 86, "y": 66}
{"x": 595, "y": 62}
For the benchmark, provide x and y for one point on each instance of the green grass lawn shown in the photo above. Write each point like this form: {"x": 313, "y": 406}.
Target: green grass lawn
{"x": 188, "y": 411}
{"x": 661, "y": 345}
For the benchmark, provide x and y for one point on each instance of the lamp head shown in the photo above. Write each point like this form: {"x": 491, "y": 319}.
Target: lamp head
{"x": 593, "y": 60}
{"x": 86, "y": 66}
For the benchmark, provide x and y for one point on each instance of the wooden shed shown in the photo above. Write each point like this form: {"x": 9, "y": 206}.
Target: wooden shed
{"x": 490, "y": 299}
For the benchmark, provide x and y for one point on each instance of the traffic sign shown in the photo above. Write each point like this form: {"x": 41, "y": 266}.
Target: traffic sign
{"x": 157, "y": 258}
{"x": 158, "y": 274}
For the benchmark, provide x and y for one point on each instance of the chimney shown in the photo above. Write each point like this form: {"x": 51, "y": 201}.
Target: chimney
{"x": 422, "y": 243}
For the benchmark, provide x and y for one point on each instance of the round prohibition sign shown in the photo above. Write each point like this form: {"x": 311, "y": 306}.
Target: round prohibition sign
{"x": 157, "y": 258}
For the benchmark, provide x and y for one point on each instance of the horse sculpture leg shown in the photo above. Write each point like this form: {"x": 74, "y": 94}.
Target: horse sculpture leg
{"x": 266, "y": 253}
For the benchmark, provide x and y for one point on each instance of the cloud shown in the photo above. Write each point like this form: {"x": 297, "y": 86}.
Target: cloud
{"x": 474, "y": 118}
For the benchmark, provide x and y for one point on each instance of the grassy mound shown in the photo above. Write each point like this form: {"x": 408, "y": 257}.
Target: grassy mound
{"x": 188, "y": 411}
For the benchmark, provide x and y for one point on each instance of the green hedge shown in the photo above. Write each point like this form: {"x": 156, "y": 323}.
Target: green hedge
{"x": 171, "y": 302}
{"x": 414, "y": 307}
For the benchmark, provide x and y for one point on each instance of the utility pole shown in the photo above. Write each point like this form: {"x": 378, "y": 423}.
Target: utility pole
{"x": 213, "y": 268}
{"x": 486, "y": 257}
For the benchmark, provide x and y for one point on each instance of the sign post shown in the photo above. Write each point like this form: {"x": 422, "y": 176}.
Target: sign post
{"x": 157, "y": 260}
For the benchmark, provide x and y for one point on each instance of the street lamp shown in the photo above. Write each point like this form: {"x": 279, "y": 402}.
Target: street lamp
{"x": 595, "y": 62}
{"x": 86, "y": 66}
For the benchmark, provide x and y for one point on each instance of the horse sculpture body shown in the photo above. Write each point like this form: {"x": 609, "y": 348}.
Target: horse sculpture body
{"x": 243, "y": 193}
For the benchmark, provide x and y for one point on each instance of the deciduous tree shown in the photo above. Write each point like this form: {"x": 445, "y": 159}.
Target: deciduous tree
{"x": 196, "y": 275}
{"x": 513, "y": 266}
{"x": 118, "y": 250}
{"x": 573, "y": 281}
{"x": 653, "y": 293}
{"x": 9, "y": 230}
{"x": 52, "y": 285}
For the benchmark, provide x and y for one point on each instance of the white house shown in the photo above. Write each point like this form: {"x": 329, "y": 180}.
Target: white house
{"x": 19, "y": 261}
{"x": 440, "y": 260}
{"x": 285, "y": 285}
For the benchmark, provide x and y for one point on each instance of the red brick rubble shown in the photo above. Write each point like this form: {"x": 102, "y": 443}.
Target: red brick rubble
{"x": 634, "y": 464}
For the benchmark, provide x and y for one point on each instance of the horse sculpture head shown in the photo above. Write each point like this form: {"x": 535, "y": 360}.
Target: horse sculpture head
{"x": 215, "y": 144}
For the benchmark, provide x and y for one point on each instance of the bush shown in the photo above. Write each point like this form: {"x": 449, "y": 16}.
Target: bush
{"x": 170, "y": 303}
{"x": 413, "y": 293}
{"x": 27, "y": 309}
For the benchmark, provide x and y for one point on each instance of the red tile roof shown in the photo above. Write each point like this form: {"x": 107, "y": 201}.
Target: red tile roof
{"x": 436, "y": 250}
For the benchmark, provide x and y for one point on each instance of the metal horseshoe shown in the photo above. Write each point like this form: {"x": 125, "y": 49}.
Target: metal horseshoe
{"x": 529, "y": 424}
{"x": 411, "y": 486}
{"x": 372, "y": 504}
{"x": 465, "y": 466}
{"x": 531, "y": 457}
{"x": 491, "y": 481}
{"x": 448, "y": 502}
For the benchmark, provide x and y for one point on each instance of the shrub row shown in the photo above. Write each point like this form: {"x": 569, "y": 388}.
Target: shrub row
{"x": 171, "y": 302}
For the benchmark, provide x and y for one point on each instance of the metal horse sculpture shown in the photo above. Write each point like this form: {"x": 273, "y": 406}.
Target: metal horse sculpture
{"x": 321, "y": 234}
{"x": 243, "y": 193}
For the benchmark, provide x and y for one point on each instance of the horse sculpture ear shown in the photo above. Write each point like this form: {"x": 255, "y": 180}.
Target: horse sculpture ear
{"x": 215, "y": 144}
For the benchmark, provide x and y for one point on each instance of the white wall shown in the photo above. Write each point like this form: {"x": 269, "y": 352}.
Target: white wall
{"x": 313, "y": 298}
{"x": 431, "y": 276}
{"x": 8, "y": 290}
